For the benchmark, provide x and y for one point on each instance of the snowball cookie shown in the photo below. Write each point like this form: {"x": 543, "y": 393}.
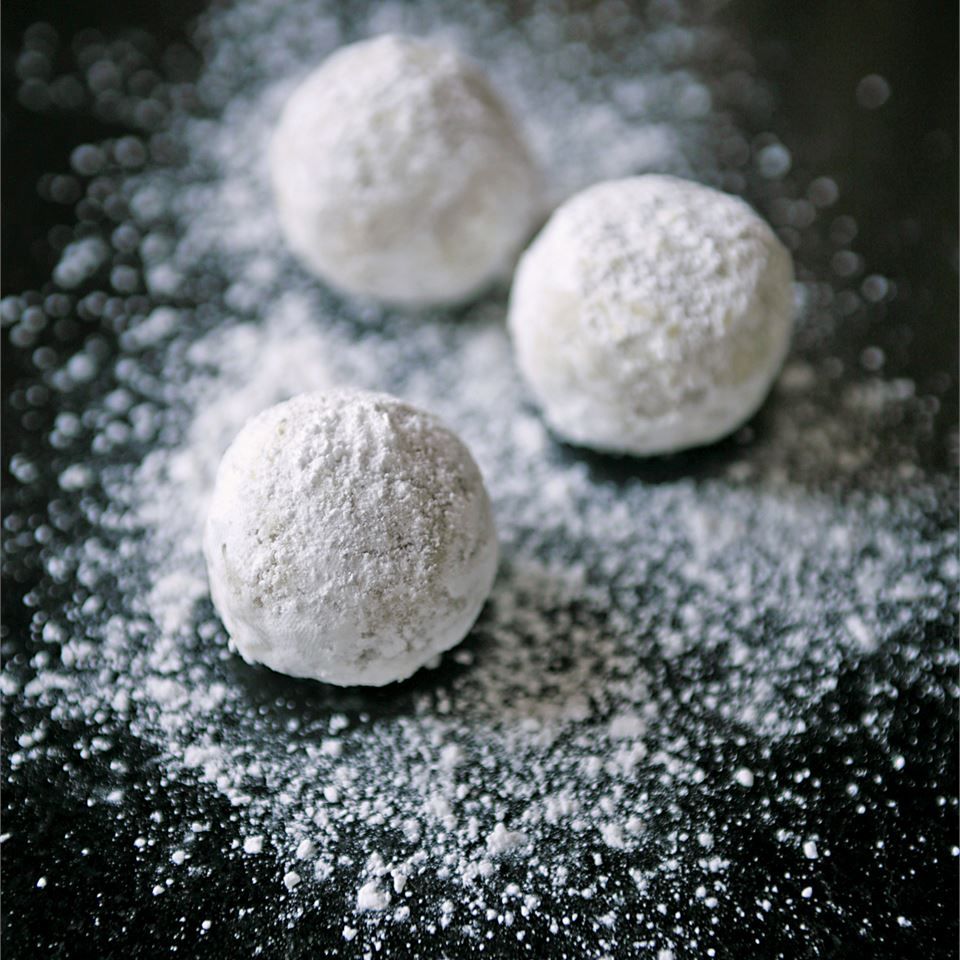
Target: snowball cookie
{"x": 349, "y": 538}
{"x": 651, "y": 314}
{"x": 399, "y": 174}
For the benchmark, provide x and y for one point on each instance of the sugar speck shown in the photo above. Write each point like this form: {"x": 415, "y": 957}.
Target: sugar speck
{"x": 744, "y": 777}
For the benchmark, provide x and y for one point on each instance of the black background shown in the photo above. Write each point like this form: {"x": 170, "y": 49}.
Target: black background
{"x": 897, "y": 171}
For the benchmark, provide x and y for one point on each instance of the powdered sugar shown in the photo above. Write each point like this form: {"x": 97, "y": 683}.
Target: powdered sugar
{"x": 660, "y": 640}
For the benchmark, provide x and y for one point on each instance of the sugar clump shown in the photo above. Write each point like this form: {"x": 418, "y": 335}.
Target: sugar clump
{"x": 371, "y": 897}
{"x": 651, "y": 314}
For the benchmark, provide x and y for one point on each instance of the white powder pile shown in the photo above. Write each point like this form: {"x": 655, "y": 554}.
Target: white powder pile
{"x": 588, "y": 767}
{"x": 651, "y": 315}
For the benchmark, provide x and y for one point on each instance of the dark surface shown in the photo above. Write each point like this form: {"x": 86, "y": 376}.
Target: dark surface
{"x": 896, "y": 167}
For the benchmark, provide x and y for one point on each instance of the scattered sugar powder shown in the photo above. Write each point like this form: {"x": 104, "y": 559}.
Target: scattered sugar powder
{"x": 661, "y": 636}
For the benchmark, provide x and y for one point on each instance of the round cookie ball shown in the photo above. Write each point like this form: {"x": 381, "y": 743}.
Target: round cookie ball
{"x": 651, "y": 314}
{"x": 399, "y": 174}
{"x": 349, "y": 539}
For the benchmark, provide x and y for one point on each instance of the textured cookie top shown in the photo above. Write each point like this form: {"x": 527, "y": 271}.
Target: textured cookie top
{"x": 672, "y": 276}
{"x": 385, "y": 115}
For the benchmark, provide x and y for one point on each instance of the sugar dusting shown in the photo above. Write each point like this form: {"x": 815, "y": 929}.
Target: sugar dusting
{"x": 658, "y": 634}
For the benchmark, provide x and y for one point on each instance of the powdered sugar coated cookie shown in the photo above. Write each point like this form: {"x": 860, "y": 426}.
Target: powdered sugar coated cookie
{"x": 651, "y": 314}
{"x": 349, "y": 538}
{"x": 399, "y": 174}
